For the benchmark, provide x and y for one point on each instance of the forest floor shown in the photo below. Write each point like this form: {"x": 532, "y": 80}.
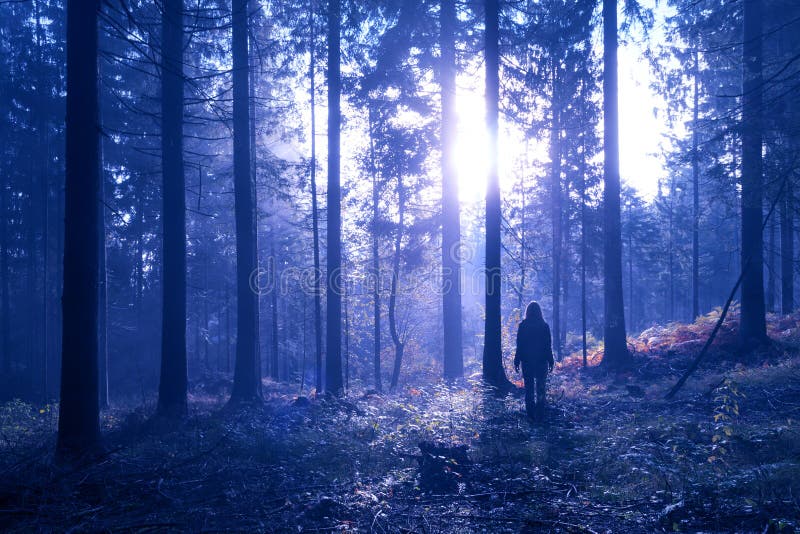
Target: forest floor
{"x": 613, "y": 456}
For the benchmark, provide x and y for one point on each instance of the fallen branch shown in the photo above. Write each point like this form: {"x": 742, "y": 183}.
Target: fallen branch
{"x": 696, "y": 362}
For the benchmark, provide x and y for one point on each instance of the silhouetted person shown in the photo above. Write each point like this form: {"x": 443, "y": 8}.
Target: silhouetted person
{"x": 535, "y": 353}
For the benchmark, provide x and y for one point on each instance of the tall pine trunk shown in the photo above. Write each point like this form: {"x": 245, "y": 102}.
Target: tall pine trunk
{"x": 138, "y": 264}
{"x": 44, "y": 188}
{"x": 102, "y": 293}
{"x": 172, "y": 388}
{"x": 555, "y": 213}
{"x": 376, "y": 263}
{"x": 314, "y": 210}
{"x": 333, "y": 360}
{"x": 670, "y": 252}
{"x": 451, "y": 223}
{"x": 33, "y": 337}
{"x": 399, "y": 345}
{"x": 584, "y": 345}
{"x": 771, "y": 274}
{"x": 274, "y": 366}
{"x": 695, "y": 195}
{"x": 616, "y": 349}
{"x": 493, "y": 371}
{"x": 753, "y": 327}
{"x": 631, "y": 299}
{"x": 247, "y": 371}
{"x": 787, "y": 250}
{"x": 565, "y": 266}
{"x": 5, "y": 308}
{"x": 79, "y": 413}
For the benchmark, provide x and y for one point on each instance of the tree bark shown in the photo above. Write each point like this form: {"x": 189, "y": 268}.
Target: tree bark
{"x": 5, "y": 308}
{"x": 274, "y": 368}
{"x": 399, "y": 345}
{"x": 753, "y": 327}
{"x": 376, "y": 262}
{"x": 770, "y": 295}
{"x": 583, "y": 254}
{"x": 138, "y": 265}
{"x": 787, "y": 250}
{"x": 616, "y": 349}
{"x": 44, "y": 208}
{"x": 33, "y": 335}
{"x": 173, "y": 383}
{"x": 333, "y": 360}
{"x": 493, "y": 371}
{"x": 79, "y": 419}
{"x": 247, "y": 371}
{"x": 631, "y": 299}
{"x": 102, "y": 293}
{"x": 346, "y": 340}
{"x": 451, "y": 223}
{"x": 555, "y": 212}
{"x": 670, "y": 253}
{"x": 314, "y": 209}
{"x": 565, "y": 266}
{"x": 695, "y": 195}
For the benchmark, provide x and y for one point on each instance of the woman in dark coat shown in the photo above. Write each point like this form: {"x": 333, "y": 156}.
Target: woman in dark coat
{"x": 535, "y": 353}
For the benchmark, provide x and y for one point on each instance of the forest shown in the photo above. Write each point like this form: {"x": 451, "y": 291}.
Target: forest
{"x": 399, "y": 266}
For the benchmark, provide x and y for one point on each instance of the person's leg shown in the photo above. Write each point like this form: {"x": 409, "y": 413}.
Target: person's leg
{"x": 530, "y": 393}
{"x": 541, "y": 388}
{"x": 541, "y": 391}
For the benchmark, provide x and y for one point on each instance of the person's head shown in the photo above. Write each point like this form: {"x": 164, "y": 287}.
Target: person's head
{"x": 534, "y": 312}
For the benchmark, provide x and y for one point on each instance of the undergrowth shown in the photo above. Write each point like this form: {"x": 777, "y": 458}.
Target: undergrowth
{"x": 614, "y": 456}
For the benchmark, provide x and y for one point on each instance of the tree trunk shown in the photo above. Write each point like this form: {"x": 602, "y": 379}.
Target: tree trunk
{"x": 206, "y": 329}
{"x": 274, "y": 367}
{"x": 247, "y": 372}
{"x": 565, "y": 267}
{"x": 305, "y": 347}
{"x": 555, "y": 213}
{"x": 399, "y": 345}
{"x": 346, "y": 341}
{"x": 376, "y": 263}
{"x": 753, "y": 327}
{"x": 139, "y": 267}
{"x": 631, "y": 299}
{"x": 33, "y": 336}
{"x": 583, "y": 254}
{"x": 102, "y": 293}
{"x": 670, "y": 254}
{"x": 451, "y": 223}
{"x": 44, "y": 197}
{"x": 333, "y": 361}
{"x": 770, "y": 296}
{"x": 314, "y": 209}
{"x": 172, "y": 388}
{"x": 523, "y": 260}
{"x": 59, "y": 262}
{"x": 493, "y": 371}
{"x": 787, "y": 250}
{"x": 253, "y": 8}
{"x": 695, "y": 197}
{"x": 616, "y": 349}
{"x": 79, "y": 419}
{"x": 228, "y": 336}
{"x": 5, "y": 308}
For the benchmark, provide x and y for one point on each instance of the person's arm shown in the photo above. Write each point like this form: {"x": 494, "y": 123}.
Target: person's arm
{"x": 517, "y": 351}
{"x": 550, "y": 361}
